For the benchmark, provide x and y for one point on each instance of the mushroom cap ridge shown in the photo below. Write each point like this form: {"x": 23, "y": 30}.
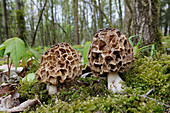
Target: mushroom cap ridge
{"x": 59, "y": 64}
{"x": 110, "y": 51}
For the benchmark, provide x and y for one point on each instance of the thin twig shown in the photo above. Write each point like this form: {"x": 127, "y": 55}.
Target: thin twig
{"x": 145, "y": 96}
{"x": 155, "y": 100}
{"x": 149, "y": 92}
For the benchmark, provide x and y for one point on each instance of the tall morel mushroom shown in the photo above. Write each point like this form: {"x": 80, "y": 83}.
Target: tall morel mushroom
{"x": 110, "y": 53}
{"x": 60, "y": 64}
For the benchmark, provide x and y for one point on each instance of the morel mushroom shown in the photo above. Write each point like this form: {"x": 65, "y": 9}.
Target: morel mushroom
{"x": 110, "y": 53}
{"x": 60, "y": 64}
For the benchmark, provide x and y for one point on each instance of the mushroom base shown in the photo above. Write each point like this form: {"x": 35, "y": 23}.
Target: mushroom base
{"x": 113, "y": 81}
{"x": 52, "y": 89}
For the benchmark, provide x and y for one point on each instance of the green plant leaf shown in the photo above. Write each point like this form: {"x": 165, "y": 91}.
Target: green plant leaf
{"x": 82, "y": 42}
{"x": 139, "y": 42}
{"x": 168, "y": 42}
{"x": 152, "y": 49}
{"x": 135, "y": 51}
{"x": 2, "y": 46}
{"x": 78, "y": 48}
{"x": 2, "y": 52}
{"x": 142, "y": 48}
{"x": 86, "y": 50}
{"x": 130, "y": 40}
{"x": 35, "y": 53}
{"x": 16, "y": 48}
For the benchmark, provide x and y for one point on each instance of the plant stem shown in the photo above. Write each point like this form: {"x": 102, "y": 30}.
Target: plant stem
{"x": 8, "y": 67}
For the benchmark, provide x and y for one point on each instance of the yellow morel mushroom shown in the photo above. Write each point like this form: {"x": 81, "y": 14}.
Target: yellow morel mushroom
{"x": 60, "y": 64}
{"x": 110, "y": 53}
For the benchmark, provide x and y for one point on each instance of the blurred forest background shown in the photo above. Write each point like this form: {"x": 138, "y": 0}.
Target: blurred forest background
{"x": 46, "y": 22}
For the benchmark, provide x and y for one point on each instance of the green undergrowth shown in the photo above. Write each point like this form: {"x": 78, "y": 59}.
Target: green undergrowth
{"x": 91, "y": 95}
{"x": 147, "y": 73}
{"x": 34, "y": 89}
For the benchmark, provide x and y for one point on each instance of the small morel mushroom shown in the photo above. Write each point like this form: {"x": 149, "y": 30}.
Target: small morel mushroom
{"x": 110, "y": 53}
{"x": 60, "y": 64}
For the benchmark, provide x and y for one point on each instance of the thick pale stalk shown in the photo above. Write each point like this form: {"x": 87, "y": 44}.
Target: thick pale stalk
{"x": 113, "y": 81}
{"x": 52, "y": 89}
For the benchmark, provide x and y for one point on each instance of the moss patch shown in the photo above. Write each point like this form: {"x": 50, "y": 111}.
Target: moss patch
{"x": 91, "y": 94}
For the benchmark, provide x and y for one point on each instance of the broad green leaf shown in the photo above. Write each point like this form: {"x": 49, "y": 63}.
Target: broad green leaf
{"x": 16, "y": 48}
{"x": 2, "y": 50}
{"x": 2, "y": 53}
{"x": 2, "y": 46}
{"x": 86, "y": 50}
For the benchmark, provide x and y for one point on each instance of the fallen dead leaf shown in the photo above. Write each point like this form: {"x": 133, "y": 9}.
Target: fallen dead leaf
{"x": 7, "y": 89}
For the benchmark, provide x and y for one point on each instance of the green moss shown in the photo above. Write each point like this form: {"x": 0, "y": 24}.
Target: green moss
{"x": 87, "y": 87}
{"x": 147, "y": 73}
{"x": 91, "y": 95}
{"x": 32, "y": 90}
{"x": 118, "y": 104}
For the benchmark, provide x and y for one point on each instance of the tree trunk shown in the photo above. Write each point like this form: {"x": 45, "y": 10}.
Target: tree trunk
{"x": 39, "y": 20}
{"x": 85, "y": 23}
{"x": 32, "y": 21}
{"x": 100, "y": 15}
{"x": 4, "y": 18}
{"x": 42, "y": 27}
{"x": 128, "y": 18}
{"x": 120, "y": 16}
{"x": 81, "y": 20}
{"x": 145, "y": 22}
{"x": 101, "y": 11}
{"x": 76, "y": 21}
{"x": 53, "y": 24}
{"x": 166, "y": 29}
{"x": 20, "y": 20}
{"x": 110, "y": 8}
{"x": 47, "y": 30}
{"x": 94, "y": 18}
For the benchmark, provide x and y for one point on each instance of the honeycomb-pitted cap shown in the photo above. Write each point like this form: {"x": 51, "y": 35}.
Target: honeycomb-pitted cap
{"x": 110, "y": 51}
{"x": 59, "y": 64}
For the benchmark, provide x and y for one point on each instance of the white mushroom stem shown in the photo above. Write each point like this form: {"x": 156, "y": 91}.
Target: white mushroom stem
{"x": 52, "y": 89}
{"x": 113, "y": 81}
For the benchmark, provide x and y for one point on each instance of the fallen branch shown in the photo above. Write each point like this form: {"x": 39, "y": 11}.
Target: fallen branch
{"x": 23, "y": 106}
